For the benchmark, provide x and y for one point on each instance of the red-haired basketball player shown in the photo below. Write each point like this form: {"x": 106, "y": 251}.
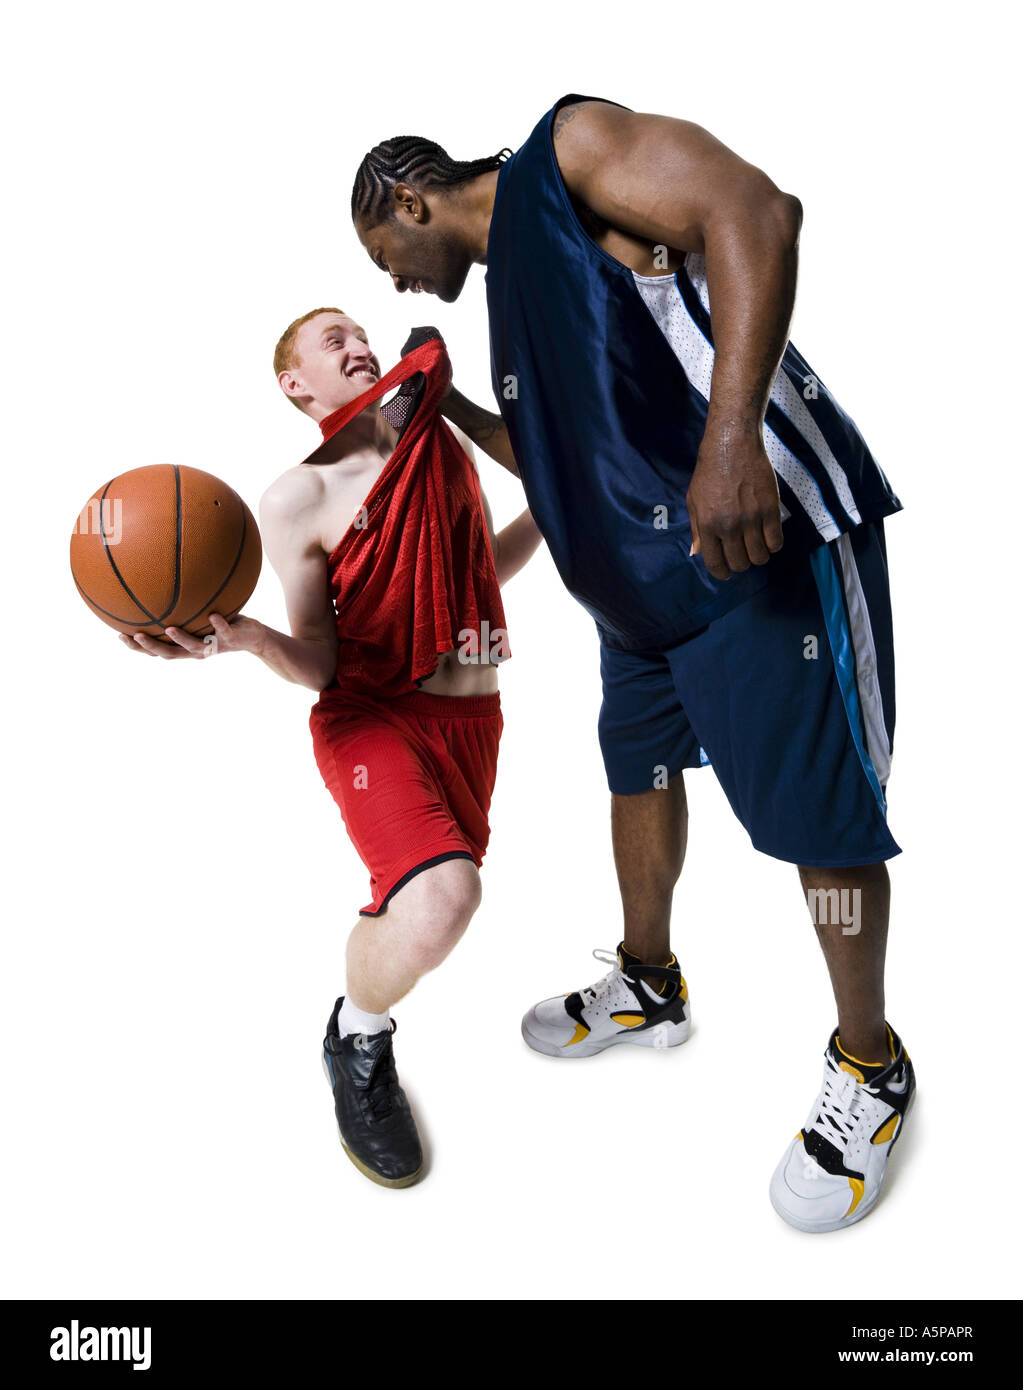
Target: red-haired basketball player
{"x": 384, "y": 544}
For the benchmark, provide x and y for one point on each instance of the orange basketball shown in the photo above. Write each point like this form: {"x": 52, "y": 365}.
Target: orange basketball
{"x": 163, "y": 547}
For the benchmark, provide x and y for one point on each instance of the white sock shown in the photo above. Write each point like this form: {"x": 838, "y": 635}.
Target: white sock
{"x": 352, "y": 1019}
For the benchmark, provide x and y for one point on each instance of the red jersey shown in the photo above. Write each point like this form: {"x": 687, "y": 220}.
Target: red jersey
{"x": 414, "y": 576}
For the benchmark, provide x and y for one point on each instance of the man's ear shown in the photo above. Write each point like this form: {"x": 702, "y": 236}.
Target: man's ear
{"x": 290, "y": 385}
{"x": 408, "y": 201}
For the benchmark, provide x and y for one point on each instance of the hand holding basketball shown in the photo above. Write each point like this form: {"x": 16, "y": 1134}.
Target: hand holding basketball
{"x": 162, "y": 547}
{"x": 241, "y": 635}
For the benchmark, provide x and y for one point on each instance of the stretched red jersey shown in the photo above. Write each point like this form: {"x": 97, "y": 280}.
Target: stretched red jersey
{"x": 413, "y": 576}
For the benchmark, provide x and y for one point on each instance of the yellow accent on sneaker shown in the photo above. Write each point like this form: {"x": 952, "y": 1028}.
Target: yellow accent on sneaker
{"x": 886, "y": 1132}
{"x": 629, "y": 1020}
{"x": 857, "y": 1190}
{"x": 838, "y": 1044}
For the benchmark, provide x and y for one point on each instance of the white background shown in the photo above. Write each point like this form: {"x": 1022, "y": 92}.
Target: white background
{"x": 178, "y": 882}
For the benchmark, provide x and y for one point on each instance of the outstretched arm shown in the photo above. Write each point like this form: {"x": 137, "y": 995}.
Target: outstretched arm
{"x": 673, "y": 184}
{"x": 309, "y": 656}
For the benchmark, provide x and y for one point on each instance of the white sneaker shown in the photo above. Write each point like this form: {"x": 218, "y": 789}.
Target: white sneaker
{"x": 831, "y": 1174}
{"x": 620, "y": 1008}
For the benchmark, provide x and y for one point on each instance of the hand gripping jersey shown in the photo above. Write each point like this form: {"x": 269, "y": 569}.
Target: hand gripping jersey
{"x": 413, "y": 576}
{"x": 603, "y": 377}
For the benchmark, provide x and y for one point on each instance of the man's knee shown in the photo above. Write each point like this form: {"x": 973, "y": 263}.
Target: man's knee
{"x": 441, "y": 908}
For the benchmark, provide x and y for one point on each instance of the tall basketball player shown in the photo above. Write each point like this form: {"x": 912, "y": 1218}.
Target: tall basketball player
{"x": 720, "y": 516}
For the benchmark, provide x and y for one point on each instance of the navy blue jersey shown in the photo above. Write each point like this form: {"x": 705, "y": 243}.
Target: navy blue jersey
{"x": 603, "y": 379}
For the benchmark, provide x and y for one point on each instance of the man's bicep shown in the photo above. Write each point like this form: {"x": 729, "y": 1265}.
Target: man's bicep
{"x": 301, "y": 566}
{"x": 656, "y": 177}
{"x": 307, "y": 595}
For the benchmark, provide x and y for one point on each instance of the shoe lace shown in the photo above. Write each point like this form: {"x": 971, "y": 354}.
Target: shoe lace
{"x": 598, "y": 990}
{"x": 605, "y": 982}
{"x": 841, "y": 1103}
{"x": 382, "y": 1092}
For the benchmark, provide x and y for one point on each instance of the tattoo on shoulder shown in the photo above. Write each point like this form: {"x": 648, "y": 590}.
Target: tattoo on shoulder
{"x": 566, "y": 114}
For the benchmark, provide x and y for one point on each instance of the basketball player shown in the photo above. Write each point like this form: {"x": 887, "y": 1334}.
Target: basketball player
{"x": 405, "y": 730}
{"x": 720, "y": 516}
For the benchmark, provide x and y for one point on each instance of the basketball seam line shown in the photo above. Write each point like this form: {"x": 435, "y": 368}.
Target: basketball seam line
{"x": 177, "y": 546}
{"x": 130, "y": 622}
{"x": 120, "y": 578}
{"x": 227, "y": 580}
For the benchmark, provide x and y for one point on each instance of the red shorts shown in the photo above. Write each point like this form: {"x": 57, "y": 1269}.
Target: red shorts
{"x": 412, "y": 776}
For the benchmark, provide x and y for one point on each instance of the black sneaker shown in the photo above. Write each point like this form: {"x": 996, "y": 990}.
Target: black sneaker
{"x": 376, "y": 1126}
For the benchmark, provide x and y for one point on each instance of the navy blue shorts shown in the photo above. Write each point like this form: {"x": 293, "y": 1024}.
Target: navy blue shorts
{"x": 790, "y": 698}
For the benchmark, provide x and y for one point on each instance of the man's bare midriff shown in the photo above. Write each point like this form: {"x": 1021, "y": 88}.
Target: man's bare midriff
{"x": 454, "y": 677}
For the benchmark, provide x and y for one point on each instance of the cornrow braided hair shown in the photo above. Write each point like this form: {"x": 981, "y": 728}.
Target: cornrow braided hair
{"x": 409, "y": 159}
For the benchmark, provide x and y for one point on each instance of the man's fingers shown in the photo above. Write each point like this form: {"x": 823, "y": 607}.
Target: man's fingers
{"x": 774, "y": 536}
{"x": 147, "y": 644}
{"x": 734, "y": 546}
{"x": 756, "y": 548}
{"x": 713, "y": 556}
{"x": 153, "y": 647}
{"x": 730, "y": 546}
{"x": 225, "y": 637}
{"x": 162, "y": 649}
{"x": 192, "y": 646}
{"x": 181, "y": 643}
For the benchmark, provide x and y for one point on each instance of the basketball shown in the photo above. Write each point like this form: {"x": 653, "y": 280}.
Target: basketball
{"x": 165, "y": 546}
